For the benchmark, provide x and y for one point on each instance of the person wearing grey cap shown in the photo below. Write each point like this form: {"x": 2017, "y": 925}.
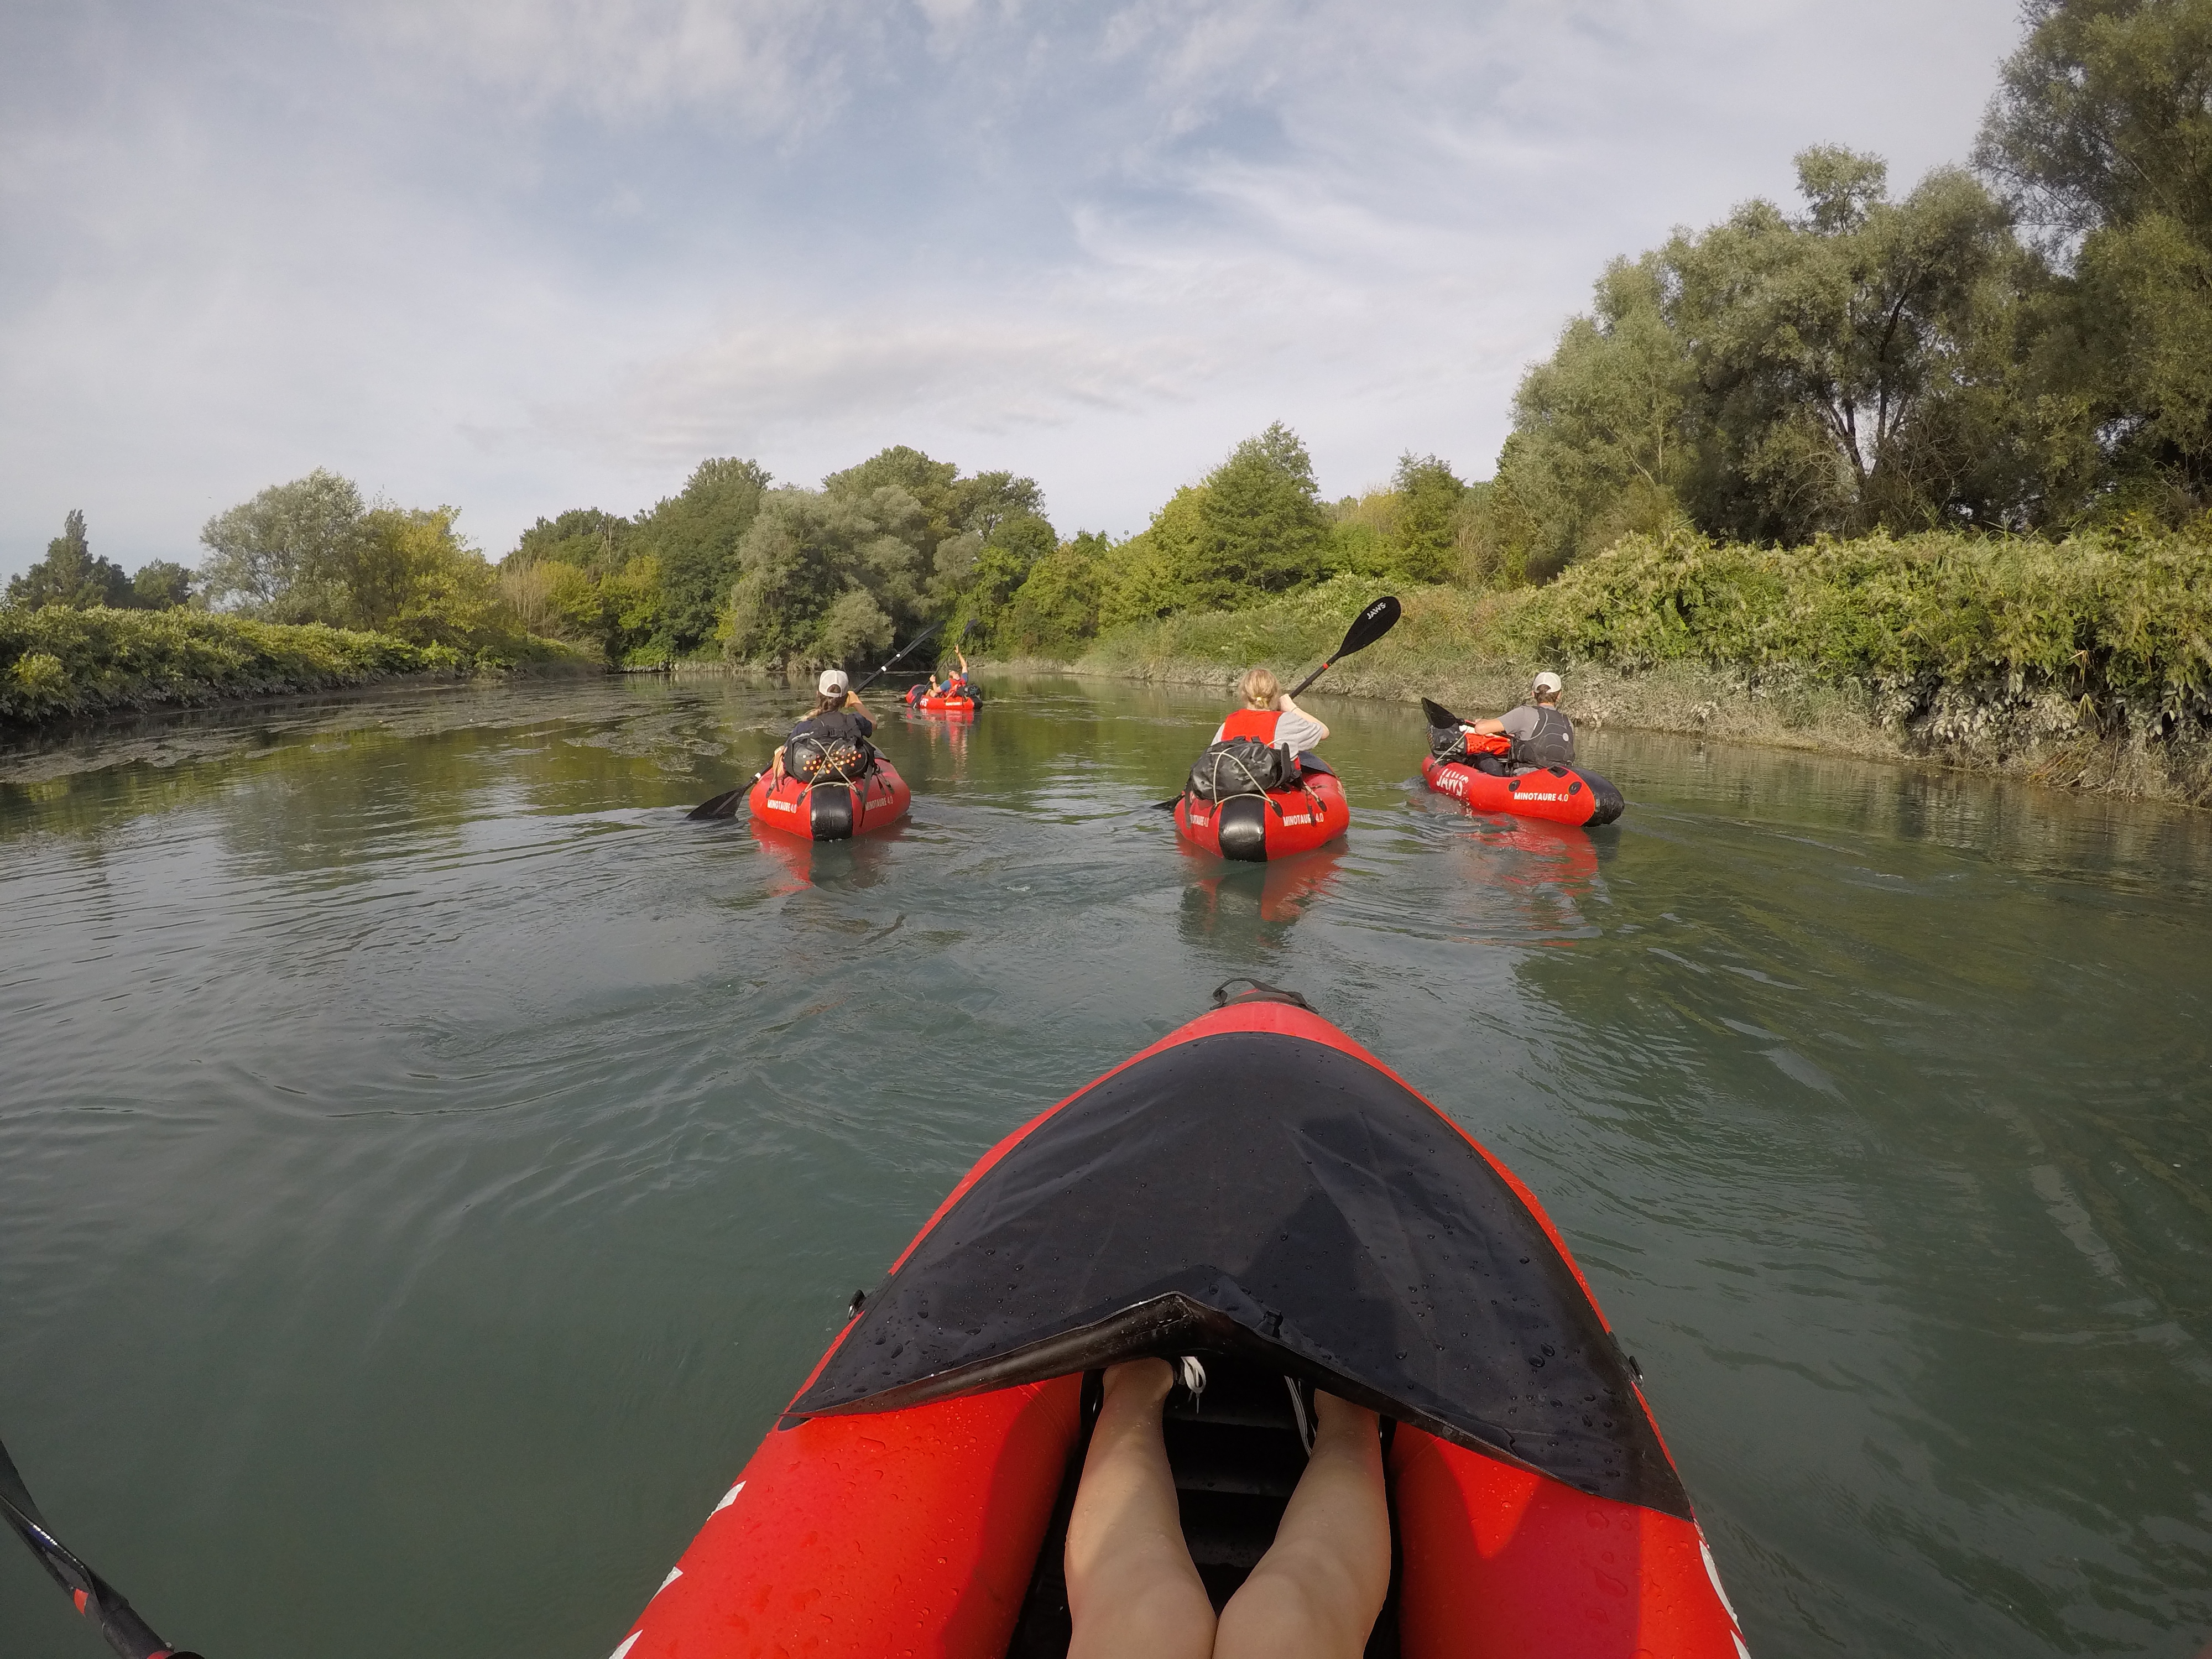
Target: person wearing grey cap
{"x": 838, "y": 721}
{"x": 1539, "y": 733}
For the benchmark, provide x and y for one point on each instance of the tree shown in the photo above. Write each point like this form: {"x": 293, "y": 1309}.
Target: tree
{"x": 1836, "y": 353}
{"x": 275, "y": 557}
{"x": 1602, "y": 441}
{"x": 959, "y": 516}
{"x": 2101, "y": 132}
{"x": 69, "y": 575}
{"x": 1776, "y": 377}
{"x": 1429, "y": 493}
{"x": 1057, "y": 609}
{"x": 2103, "y": 116}
{"x": 160, "y": 585}
{"x": 1260, "y": 528}
{"x": 583, "y": 536}
{"x": 695, "y": 535}
{"x": 826, "y": 577}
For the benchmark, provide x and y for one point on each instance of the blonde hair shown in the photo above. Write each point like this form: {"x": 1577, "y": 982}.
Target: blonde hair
{"x": 1260, "y": 688}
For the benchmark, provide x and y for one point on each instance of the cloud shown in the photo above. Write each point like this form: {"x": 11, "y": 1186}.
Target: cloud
{"x": 523, "y": 255}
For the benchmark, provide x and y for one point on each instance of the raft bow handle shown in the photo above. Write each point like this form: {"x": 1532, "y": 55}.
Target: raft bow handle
{"x": 1260, "y": 991}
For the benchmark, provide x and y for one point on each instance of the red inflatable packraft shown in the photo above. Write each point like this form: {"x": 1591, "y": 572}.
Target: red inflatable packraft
{"x": 1258, "y": 1191}
{"x": 830, "y": 811}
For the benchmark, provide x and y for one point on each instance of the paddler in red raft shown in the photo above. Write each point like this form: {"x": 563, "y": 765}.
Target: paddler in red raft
{"x": 837, "y": 717}
{"x": 956, "y": 684}
{"x": 1269, "y": 716}
{"x": 1535, "y": 734}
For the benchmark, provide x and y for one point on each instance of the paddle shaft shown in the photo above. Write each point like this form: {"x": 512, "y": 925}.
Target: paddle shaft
{"x": 888, "y": 667}
{"x": 116, "y": 1620}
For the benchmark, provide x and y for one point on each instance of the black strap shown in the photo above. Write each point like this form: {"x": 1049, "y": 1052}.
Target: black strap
{"x": 1260, "y": 991}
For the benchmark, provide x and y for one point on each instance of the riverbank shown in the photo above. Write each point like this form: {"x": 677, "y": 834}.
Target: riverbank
{"x": 2083, "y": 664}
{"x": 59, "y": 665}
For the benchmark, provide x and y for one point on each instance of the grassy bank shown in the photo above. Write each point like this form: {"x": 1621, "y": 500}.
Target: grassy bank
{"x": 2086, "y": 663}
{"x": 57, "y": 664}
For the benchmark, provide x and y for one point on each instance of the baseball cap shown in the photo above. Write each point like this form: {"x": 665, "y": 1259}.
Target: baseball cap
{"x": 832, "y": 680}
{"x": 1546, "y": 681}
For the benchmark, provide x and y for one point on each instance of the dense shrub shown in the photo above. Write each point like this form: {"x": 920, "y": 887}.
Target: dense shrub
{"x": 57, "y": 662}
{"x": 2121, "y": 616}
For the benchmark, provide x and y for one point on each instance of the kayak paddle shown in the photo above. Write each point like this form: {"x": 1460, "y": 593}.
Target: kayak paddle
{"x": 1438, "y": 715}
{"x": 95, "y": 1598}
{"x": 723, "y": 805}
{"x": 1368, "y": 626}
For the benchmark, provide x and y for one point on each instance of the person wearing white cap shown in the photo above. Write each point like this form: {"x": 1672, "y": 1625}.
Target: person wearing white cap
{"x": 1540, "y": 734}
{"x": 839, "y": 721}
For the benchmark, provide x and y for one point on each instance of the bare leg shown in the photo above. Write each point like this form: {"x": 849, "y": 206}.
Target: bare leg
{"x": 1131, "y": 1585}
{"x": 1315, "y": 1593}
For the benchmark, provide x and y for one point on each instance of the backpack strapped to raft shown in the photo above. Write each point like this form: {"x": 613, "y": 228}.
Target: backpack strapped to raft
{"x": 1241, "y": 766}
{"x": 828, "y": 748}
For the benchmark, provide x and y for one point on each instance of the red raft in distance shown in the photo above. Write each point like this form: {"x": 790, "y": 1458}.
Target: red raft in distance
{"x": 916, "y": 698}
{"x": 1560, "y": 793}
{"x": 1257, "y": 1190}
{"x": 1257, "y": 828}
{"x": 830, "y": 811}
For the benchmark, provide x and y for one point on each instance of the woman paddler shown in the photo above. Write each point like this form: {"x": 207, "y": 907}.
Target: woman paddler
{"x": 1269, "y": 716}
{"x": 837, "y": 716}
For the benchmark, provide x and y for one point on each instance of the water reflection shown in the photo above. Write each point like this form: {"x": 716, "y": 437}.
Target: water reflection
{"x": 1249, "y": 908}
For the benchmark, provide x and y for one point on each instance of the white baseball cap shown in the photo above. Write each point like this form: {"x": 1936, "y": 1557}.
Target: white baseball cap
{"x": 1546, "y": 681}
{"x": 833, "y": 680}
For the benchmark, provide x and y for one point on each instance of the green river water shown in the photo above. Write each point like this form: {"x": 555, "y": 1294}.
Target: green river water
{"x": 427, "y": 1162}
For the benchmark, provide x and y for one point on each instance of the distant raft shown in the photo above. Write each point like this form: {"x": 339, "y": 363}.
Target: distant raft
{"x": 834, "y": 809}
{"x": 1564, "y": 794}
{"x": 1256, "y": 826}
{"x": 963, "y": 703}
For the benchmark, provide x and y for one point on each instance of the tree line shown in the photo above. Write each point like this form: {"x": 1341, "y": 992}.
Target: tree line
{"x": 792, "y": 577}
{"x": 2022, "y": 347}
{"x": 735, "y": 566}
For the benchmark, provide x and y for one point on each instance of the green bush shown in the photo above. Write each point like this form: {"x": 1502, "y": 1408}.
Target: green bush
{"x": 57, "y": 662}
{"x": 2122, "y": 616}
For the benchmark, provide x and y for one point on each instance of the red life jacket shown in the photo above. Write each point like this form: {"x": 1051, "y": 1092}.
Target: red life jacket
{"x": 1256, "y": 723}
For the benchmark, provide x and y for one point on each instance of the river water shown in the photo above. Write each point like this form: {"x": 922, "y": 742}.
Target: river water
{"x": 427, "y": 1162}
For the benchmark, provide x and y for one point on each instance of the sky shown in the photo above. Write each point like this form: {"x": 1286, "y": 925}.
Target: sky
{"x": 518, "y": 256}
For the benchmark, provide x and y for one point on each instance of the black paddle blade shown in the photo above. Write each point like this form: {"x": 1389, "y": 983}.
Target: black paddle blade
{"x": 116, "y": 1620}
{"x": 1438, "y": 715}
{"x": 724, "y": 806}
{"x": 1368, "y": 626}
{"x": 1167, "y": 806}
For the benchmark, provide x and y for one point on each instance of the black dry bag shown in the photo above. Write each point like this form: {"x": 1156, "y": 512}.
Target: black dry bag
{"x": 1241, "y": 766}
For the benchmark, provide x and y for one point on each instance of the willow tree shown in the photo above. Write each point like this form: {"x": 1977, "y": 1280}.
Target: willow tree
{"x": 2101, "y": 133}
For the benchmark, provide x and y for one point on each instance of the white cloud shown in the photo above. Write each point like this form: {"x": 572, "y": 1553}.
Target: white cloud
{"x": 520, "y": 257}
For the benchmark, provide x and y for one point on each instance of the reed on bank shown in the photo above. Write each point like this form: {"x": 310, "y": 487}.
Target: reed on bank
{"x": 58, "y": 663}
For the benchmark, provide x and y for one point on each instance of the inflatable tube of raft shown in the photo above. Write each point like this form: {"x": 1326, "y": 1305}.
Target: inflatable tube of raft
{"x": 830, "y": 812}
{"x": 1561, "y": 794}
{"x": 1256, "y": 828}
{"x": 1258, "y": 1190}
